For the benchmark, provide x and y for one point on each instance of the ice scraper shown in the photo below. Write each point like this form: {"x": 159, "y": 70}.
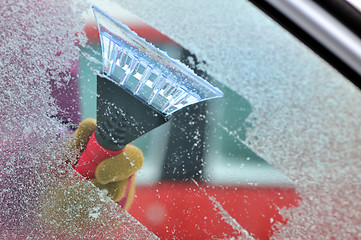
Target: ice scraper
{"x": 138, "y": 89}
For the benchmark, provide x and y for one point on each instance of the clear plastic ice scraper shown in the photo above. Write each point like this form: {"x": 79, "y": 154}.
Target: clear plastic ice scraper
{"x": 138, "y": 89}
{"x": 151, "y": 75}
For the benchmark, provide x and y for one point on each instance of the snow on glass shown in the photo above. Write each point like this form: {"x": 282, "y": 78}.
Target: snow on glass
{"x": 40, "y": 196}
{"x": 305, "y": 118}
{"x": 305, "y": 115}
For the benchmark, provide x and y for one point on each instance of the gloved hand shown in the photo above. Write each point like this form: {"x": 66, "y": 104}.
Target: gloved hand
{"x": 116, "y": 174}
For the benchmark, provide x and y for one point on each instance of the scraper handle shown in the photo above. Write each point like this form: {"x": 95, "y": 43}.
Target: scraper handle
{"x": 92, "y": 156}
{"x": 121, "y": 118}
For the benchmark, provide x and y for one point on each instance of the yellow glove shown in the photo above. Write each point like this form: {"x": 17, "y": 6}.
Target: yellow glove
{"x": 116, "y": 175}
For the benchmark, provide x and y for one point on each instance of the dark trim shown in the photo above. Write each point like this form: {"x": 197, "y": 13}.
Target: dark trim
{"x": 308, "y": 40}
{"x": 344, "y": 13}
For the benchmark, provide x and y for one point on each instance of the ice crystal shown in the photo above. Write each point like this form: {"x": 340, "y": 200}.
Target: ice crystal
{"x": 305, "y": 115}
{"x": 41, "y": 197}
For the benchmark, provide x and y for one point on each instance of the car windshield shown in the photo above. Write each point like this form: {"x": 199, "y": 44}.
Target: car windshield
{"x": 277, "y": 157}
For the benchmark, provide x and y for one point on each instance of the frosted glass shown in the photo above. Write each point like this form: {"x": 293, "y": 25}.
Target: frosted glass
{"x": 41, "y": 197}
{"x": 305, "y": 115}
{"x": 304, "y": 118}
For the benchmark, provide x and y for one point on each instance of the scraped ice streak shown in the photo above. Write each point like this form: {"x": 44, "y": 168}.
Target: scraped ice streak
{"x": 147, "y": 72}
{"x": 306, "y": 116}
{"x": 226, "y": 217}
{"x": 40, "y": 196}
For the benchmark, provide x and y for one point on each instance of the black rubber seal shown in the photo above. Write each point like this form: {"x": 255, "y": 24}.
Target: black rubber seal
{"x": 312, "y": 43}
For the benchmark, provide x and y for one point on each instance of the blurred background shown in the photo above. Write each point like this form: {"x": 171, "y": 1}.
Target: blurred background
{"x": 206, "y": 173}
{"x": 198, "y": 174}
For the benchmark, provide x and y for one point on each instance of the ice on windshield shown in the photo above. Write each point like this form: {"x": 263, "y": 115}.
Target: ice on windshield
{"x": 41, "y": 196}
{"x": 305, "y": 115}
{"x": 294, "y": 111}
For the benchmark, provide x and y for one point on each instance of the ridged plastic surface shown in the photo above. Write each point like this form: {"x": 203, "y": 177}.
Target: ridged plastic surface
{"x": 147, "y": 72}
